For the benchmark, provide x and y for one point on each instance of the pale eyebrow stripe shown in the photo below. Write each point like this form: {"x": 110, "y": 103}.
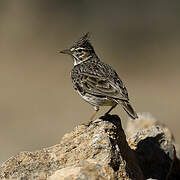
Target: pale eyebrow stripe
{"x": 79, "y": 48}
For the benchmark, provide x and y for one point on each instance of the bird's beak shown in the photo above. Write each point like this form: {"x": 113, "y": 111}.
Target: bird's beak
{"x": 66, "y": 51}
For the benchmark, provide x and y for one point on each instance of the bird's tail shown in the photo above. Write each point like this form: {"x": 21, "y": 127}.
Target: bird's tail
{"x": 128, "y": 108}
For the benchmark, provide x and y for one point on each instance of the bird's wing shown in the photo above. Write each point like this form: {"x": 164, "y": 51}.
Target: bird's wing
{"x": 99, "y": 85}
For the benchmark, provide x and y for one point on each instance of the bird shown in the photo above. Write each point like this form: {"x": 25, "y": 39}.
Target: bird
{"x": 95, "y": 81}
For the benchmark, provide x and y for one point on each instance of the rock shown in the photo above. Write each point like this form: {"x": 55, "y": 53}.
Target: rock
{"x": 154, "y": 145}
{"x": 177, "y": 147}
{"x": 96, "y": 151}
{"x": 146, "y": 120}
{"x": 154, "y": 151}
{"x": 85, "y": 170}
{"x": 100, "y": 151}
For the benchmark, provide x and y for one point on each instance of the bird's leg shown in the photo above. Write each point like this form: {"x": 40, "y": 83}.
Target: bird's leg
{"x": 111, "y": 109}
{"x": 94, "y": 114}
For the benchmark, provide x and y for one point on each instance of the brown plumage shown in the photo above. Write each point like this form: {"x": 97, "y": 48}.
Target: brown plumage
{"x": 96, "y": 82}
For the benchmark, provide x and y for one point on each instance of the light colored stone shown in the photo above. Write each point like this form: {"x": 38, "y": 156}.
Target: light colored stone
{"x": 86, "y": 170}
{"x": 146, "y": 120}
{"x": 100, "y": 151}
{"x": 153, "y": 143}
{"x": 96, "y": 151}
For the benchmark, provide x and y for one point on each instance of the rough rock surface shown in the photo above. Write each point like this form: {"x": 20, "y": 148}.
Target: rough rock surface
{"x": 154, "y": 145}
{"x": 100, "y": 151}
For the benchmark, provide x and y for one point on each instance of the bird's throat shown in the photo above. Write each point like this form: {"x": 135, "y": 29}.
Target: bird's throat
{"x": 79, "y": 61}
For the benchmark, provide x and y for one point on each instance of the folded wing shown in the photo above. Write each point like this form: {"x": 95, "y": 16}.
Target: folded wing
{"x": 99, "y": 86}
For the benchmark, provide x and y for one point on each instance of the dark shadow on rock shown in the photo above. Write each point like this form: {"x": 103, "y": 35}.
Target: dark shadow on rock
{"x": 127, "y": 154}
{"x": 153, "y": 160}
{"x": 174, "y": 172}
{"x": 115, "y": 119}
{"x": 153, "y": 154}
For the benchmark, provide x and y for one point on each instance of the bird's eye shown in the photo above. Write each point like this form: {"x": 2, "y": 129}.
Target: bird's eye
{"x": 79, "y": 50}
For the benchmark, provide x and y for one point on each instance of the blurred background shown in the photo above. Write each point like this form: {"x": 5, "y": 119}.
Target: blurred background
{"x": 140, "y": 39}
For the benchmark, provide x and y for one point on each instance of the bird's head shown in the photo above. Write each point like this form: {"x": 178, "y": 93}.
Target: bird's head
{"x": 81, "y": 50}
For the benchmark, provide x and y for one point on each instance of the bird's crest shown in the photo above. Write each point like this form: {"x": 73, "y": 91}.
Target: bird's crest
{"x": 83, "y": 41}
